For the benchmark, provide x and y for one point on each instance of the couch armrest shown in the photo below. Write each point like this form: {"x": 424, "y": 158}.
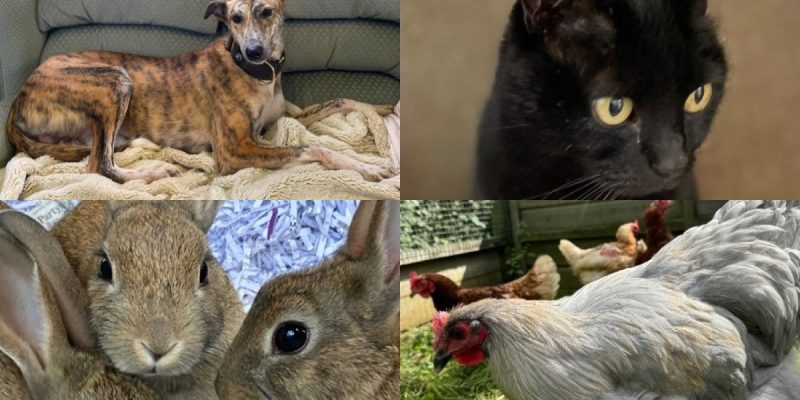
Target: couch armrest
{"x": 20, "y": 48}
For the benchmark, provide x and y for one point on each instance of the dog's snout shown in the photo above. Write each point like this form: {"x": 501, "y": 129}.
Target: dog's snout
{"x": 254, "y": 52}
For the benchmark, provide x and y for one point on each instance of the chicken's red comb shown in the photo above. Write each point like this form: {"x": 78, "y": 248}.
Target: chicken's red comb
{"x": 413, "y": 278}
{"x": 663, "y": 204}
{"x": 635, "y": 223}
{"x": 439, "y": 321}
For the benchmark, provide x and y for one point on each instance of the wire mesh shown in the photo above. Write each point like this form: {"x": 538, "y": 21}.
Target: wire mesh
{"x": 433, "y": 229}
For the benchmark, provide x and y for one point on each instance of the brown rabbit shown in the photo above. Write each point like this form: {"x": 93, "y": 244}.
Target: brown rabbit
{"x": 330, "y": 332}
{"x": 161, "y": 307}
{"x": 46, "y": 348}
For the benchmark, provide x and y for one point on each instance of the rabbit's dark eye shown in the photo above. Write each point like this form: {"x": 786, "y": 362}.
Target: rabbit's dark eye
{"x": 266, "y": 13}
{"x": 291, "y": 337}
{"x": 105, "y": 270}
{"x": 204, "y": 274}
{"x": 237, "y": 19}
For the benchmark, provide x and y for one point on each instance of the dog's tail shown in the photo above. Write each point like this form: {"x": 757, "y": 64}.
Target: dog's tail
{"x": 24, "y": 143}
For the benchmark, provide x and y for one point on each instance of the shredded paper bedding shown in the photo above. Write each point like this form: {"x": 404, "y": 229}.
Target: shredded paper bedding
{"x": 255, "y": 241}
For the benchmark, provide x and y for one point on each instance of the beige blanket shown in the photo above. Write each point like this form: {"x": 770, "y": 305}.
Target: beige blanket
{"x": 361, "y": 135}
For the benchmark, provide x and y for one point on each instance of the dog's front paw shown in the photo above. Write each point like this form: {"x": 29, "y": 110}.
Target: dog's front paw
{"x": 374, "y": 173}
{"x": 384, "y": 111}
{"x": 172, "y": 171}
{"x": 122, "y": 175}
{"x": 152, "y": 175}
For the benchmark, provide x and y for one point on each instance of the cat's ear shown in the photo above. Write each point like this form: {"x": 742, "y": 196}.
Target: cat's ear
{"x": 699, "y": 7}
{"x": 571, "y": 29}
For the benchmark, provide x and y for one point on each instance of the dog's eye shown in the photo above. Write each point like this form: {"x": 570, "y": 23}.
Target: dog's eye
{"x": 204, "y": 274}
{"x": 266, "y": 13}
{"x": 237, "y": 19}
{"x": 290, "y": 337}
{"x": 105, "y": 270}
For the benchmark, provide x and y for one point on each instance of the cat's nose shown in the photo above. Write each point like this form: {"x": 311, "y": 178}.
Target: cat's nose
{"x": 672, "y": 165}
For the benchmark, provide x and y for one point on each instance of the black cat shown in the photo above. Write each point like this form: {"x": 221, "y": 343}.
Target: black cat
{"x": 600, "y": 99}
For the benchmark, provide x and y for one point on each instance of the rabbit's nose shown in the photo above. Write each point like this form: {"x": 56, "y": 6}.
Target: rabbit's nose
{"x": 156, "y": 353}
{"x": 157, "y": 356}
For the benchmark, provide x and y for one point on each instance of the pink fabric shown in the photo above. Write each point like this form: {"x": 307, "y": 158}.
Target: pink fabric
{"x": 392, "y": 122}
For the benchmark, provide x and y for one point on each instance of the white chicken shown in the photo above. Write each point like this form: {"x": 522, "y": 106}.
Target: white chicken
{"x": 714, "y": 315}
{"x": 592, "y": 264}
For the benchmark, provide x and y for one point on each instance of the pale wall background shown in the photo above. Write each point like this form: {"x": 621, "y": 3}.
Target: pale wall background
{"x": 449, "y": 51}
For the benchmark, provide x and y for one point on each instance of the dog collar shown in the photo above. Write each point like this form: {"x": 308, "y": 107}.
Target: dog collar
{"x": 265, "y": 73}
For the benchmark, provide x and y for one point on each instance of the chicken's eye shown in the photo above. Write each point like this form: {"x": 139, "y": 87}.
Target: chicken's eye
{"x": 457, "y": 333}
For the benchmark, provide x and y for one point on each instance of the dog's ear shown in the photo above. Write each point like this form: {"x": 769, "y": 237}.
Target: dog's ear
{"x": 219, "y": 9}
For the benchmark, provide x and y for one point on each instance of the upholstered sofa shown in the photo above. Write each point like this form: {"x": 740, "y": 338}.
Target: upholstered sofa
{"x": 335, "y": 48}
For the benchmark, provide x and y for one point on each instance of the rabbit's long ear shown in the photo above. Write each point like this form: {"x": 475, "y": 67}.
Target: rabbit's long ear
{"x": 40, "y": 313}
{"x": 376, "y": 229}
{"x": 374, "y": 239}
{"x": 203, "y": 212}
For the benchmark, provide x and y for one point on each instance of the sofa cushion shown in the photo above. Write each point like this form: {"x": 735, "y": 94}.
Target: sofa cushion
{"x": 188, "y": 14}
{"x": 343, "y": 45}
{"x": 327, "y": 9}
{"x": 20, "y": 44}
{"x": 182, "y": 14}
{"x": 306, "y": 88}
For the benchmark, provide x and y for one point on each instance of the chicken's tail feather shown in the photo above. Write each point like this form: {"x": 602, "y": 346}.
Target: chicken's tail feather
{"x": 546, "y": 273}
{"x": 570, "y": 251}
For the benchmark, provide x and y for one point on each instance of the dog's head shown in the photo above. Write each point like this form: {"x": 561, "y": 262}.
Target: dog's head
{"x": 255, "y": 25}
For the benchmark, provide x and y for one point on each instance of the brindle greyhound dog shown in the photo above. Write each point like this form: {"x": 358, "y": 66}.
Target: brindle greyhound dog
{"x": 221, "y": 98}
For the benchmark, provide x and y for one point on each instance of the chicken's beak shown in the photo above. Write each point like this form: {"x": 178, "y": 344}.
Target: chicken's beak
{"x": 442, "y": 358}
{"x": 413, "y": 294}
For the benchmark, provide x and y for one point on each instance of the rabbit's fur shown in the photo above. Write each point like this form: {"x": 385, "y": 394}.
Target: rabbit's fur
{"x": 155, "y": 300}
{"x": 46, "y": 349}
{"x": 350, "y": 305}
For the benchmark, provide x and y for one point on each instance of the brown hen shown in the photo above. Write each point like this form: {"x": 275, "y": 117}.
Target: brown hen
{"x": 540, "y": 283}
{"x": 658, "y": 233}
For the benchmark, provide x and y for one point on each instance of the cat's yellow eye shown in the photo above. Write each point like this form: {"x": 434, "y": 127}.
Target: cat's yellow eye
{"x": 699, "y": 99}
{"x": 613, "y": 111}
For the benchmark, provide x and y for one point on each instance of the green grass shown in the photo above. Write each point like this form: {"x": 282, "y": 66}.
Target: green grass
{"x": 455, "y": 382}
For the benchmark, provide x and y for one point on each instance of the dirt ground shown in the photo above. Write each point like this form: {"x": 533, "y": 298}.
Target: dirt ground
{"x": 449, "y": 50}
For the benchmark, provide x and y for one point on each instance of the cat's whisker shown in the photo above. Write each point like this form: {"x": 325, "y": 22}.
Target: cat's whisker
{"x": 614, "y": 192}
{"x": 607, "y": 194}
{"x": 505, "y": 128}
{"x": 620, "y": 192}
{"x": 580, "y": 192}
{"x": 592, "y": 195}
{"x": 564, "y": 187}
{"x": 600, "y": 193}
{"x": 592, "y": 182}
{"x": 577, "y": 189}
